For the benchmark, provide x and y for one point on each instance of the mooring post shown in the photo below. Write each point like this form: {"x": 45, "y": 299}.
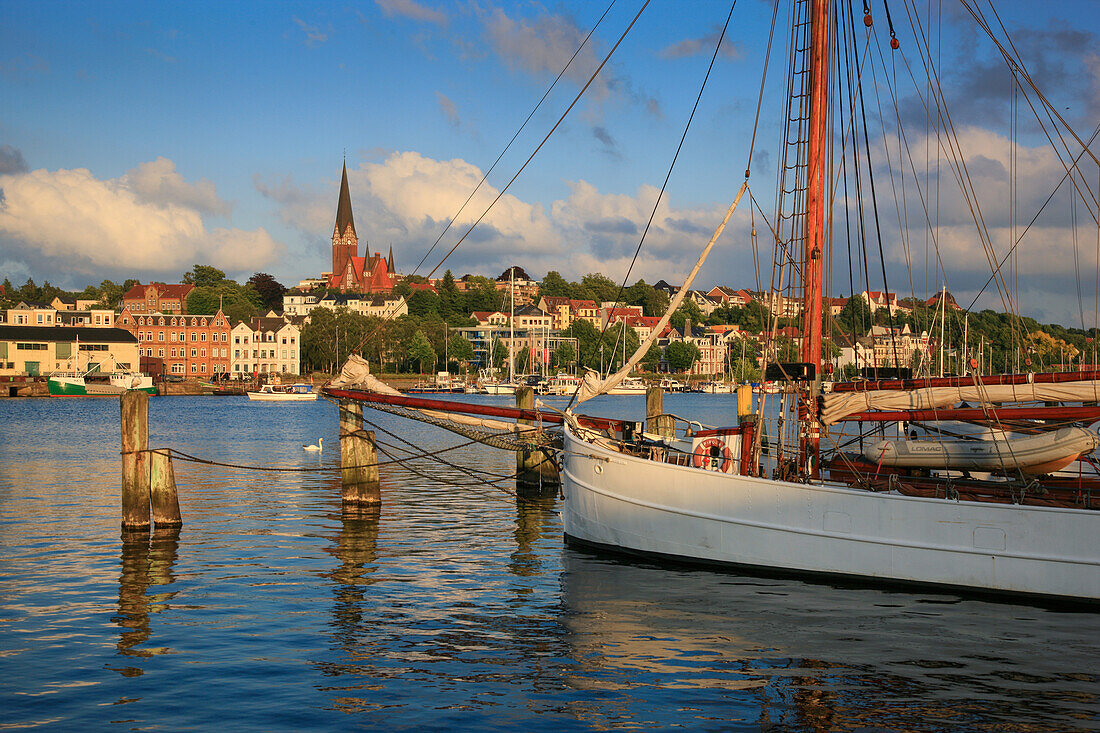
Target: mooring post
{"x": 162, "y": 491}
{"x": 534, "y": 467}
{"x": 358, "y": 458}
{"x": 134, "y": 407}
{"x": 656, "y": 421}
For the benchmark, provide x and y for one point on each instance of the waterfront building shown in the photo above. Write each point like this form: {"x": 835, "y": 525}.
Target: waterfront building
{"x": 40, "y": 350}
{"x": 185, "y": 345}
{"x": 266, "y": 345}
{"x": 157, "y": 298}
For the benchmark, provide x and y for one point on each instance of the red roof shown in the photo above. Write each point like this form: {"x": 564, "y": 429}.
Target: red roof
{"x": 181, "y": 291}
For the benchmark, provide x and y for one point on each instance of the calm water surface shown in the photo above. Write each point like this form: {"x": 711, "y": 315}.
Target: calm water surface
{"x": 453, "y": 607}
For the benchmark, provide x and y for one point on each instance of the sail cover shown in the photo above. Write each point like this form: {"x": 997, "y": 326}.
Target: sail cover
{"x": 838, "y": 405}
{"x": 356, "y": 374}
{"x": 592, "y": 385}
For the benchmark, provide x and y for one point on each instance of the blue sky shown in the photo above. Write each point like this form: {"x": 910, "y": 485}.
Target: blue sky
{"x": 139, "y": 138}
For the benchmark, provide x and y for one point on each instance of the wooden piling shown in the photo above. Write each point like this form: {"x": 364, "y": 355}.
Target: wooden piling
{"x": 358, "y": 458}
{"x": 134, "y": 407}
{"x": 656, "y": 421}
{"x": 534, "y": 467}
{"x": 162, "y": 491}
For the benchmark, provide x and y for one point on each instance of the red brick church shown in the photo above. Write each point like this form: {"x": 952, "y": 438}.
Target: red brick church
{"x": 350, "y": 272}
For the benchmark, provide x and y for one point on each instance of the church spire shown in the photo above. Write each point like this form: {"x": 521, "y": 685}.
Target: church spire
{"x": 344, "y": 219}
{"x": 389, "y": 264}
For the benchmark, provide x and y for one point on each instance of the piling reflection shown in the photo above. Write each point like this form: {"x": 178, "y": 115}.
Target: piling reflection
{"x": 356, "y": 549}
{"x": 534, "y": 518}
{"x": 146, "y": 561}
{"x": 794, "y": 656}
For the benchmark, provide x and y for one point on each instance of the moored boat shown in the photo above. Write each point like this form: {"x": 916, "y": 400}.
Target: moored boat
{"x": 76, "y": 384}
{"x": 284, "y": 393}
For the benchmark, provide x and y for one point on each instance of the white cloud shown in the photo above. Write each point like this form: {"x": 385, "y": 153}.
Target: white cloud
{"x": 147, "y": 223}
{"x": 413, "y": 10}
{"x": 407, "y": 199}
{"x": 157, "y": 182}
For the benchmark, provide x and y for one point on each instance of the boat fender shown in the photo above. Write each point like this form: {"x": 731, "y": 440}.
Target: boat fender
{"x": 712, "y": 454}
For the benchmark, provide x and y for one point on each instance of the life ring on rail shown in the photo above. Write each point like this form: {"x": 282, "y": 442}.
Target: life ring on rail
{"x": 712, "y": 454}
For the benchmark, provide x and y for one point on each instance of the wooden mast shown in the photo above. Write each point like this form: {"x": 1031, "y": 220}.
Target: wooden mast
{"x": 814, "y": 227}
{"x": 815, "y": 182}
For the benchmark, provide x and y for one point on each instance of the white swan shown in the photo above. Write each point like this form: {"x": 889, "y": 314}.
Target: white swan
{"x": 314, "y": 447}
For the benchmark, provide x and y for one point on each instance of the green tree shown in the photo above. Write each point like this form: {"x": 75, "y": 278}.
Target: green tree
{"x": 599, "y": 288}
{"x": 681, "y": 355}
{"x": 564, "y": 355}
{"x": 423, "y": 303}
{"x": 855, "y": 317}
{"x": 204, "y": 276}
{"x": 554, "y": 285}
{"x": 588, "y": 341}
{"x": 687, "y": 310}
{"x": 420, "y": 350}
{"x": 522, "y": 363}
{"x": 654, "y": 302}
{"x": 499, "y": 353}
{"x": 652, "y": 359}
{"x": 460, "y": 350}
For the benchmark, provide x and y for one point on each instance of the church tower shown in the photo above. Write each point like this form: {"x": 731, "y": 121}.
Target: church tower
{"x": 345, "y": 243}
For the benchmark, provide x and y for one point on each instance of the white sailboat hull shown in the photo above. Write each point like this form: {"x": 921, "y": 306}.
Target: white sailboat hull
{"x": 645, "y": 507}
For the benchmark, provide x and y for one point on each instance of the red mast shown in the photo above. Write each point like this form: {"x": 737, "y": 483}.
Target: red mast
{"x": 815, "y": 182}
{"x": 813, "y": 253}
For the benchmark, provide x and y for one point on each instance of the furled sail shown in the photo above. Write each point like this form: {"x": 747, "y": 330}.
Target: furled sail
{"x": 592, "y": 385}
{"x": 356, "y": 374}
{"x": 839, "y": 405}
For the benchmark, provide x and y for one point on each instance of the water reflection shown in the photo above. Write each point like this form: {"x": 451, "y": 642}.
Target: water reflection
{"x": 812, "y": 657}
{"x": 535, "y": 520}
{"x": 145, "y": 561}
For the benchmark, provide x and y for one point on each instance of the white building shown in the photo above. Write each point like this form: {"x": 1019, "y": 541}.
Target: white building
{"x": 266, "y": 345}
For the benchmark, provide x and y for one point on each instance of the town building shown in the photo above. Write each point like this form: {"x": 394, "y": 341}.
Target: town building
{"x": 28, "y": 313}
{"x": 186, "y": 345}
{"x": 157, "y": 298}
{"x": 380, "y": 306}
{"x": 299, "y": 301}
{"x": 94, "y": 318}
{"x": 350, "y": 272}
{"x": 530, "y": 317}
{"x": 517, "y": 281}
{"x": 266, "y": 345}
{"x": 40, "y": 350}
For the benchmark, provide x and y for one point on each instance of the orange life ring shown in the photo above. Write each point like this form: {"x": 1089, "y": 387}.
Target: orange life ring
{"x": 704, "y": 456}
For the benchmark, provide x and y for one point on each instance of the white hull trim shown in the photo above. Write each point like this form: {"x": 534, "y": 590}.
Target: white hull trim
{"x": 643, "y": 507}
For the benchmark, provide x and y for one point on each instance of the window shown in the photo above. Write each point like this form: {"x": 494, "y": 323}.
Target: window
{"x": 203, "y": 354}
{"x": 202, "y": 336}
{"x": 31, "y": 347}
{"x": 194, "y": 368}
{"x": 194, "y": 352}
{"x": 160, "y": 336}
{"x": 161, "y": 354}
{"x": 194, "y": 336}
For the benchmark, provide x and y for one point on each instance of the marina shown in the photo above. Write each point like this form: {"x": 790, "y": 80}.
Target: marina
{"x": 458, "y": 594}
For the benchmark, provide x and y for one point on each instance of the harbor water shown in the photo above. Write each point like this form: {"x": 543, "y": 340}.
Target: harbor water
{"x": 456, "y": 606}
